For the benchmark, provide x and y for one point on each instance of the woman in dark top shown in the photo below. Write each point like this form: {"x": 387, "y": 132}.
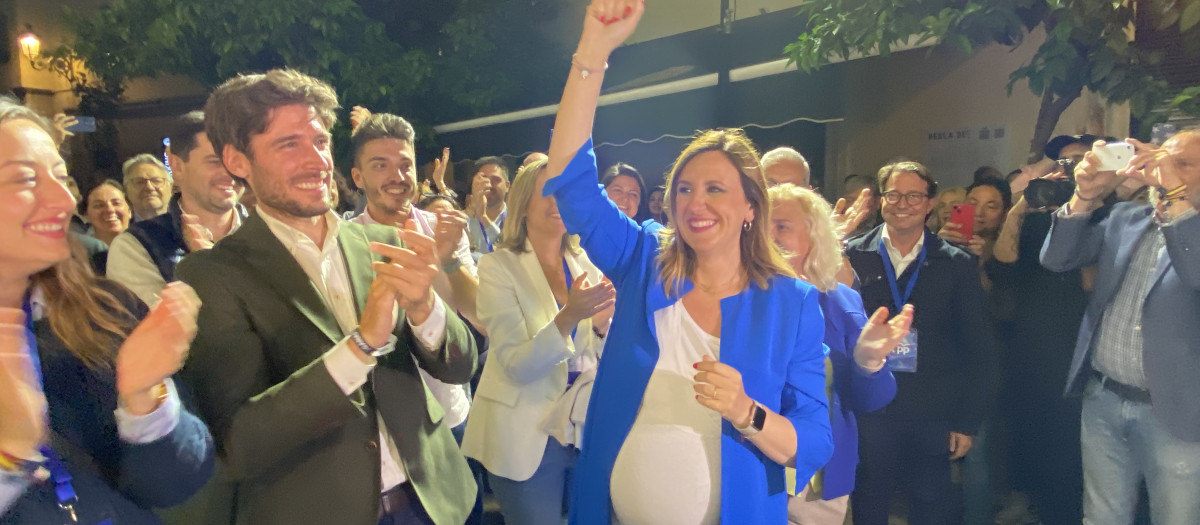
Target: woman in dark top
{"x": 91, "y": 428}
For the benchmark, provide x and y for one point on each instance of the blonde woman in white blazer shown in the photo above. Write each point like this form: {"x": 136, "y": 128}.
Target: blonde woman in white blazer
{"x": 546, "y": 309}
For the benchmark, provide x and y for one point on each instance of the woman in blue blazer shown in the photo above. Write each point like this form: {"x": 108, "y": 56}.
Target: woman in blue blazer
{"x": 712, "y": 381}
{"x": 856, "y": 378}
{"x": 91, "y": 428}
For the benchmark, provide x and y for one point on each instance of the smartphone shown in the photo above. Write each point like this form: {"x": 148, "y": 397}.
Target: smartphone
{"x": 1113, "y": 156}
{"x": 964, "y": 216}
{"x": 83, "y": 125}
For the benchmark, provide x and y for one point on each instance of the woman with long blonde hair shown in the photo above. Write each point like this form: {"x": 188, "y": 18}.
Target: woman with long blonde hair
{"x": 855, "y": 377}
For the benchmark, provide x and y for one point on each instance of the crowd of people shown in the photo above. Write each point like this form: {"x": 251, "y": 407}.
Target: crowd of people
{"x": 251, "y": 337}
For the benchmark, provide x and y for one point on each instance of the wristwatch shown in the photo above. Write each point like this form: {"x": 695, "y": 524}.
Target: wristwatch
{"x": 758, "y": 417}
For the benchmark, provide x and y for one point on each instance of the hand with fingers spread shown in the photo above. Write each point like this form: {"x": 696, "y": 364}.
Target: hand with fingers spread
{"x": 847, "y": 218}
{"x": 22, "y": 403}
{"x": 584, "y": 301}
{"x": 358, "y": 115}
{"x": 62, "y": 122}
{"x": 157, "y": 347}
{"x": 439, "y": 171}
{"x": 719, "y": 387}
{"x": 195, "y": 235}
{"x": 449, "y": 229}
{"x": 410, "y": 271}
{"x": 880, "y": 336}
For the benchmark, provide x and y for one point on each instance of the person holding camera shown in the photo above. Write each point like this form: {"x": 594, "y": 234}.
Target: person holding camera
{"x": 1135, "y": 361}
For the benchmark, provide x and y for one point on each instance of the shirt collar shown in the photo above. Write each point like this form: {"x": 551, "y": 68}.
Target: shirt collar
{"x": 37, "y": 303}
{"x": 237, "y": 217}
{"x": 291, "y": 237}
{"x": 887, "y": 241}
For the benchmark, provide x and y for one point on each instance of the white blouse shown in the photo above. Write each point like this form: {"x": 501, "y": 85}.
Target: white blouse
{"x": 669, "y": 468}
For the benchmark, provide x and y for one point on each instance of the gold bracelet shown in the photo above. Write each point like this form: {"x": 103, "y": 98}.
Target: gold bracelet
{"x": 585, "y": 72}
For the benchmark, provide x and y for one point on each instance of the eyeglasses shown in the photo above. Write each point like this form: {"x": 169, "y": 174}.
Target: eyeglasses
{"x": 911, "y": 199}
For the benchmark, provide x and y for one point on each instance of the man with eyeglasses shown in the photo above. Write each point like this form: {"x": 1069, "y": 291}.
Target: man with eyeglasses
{"x": 942, "y": 368}
{"x": 147, "y": 186}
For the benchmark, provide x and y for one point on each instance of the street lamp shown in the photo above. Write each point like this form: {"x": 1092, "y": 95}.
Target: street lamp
{"x": 31, "y": 49}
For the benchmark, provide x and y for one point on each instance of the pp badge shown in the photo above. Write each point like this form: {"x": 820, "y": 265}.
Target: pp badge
{"x": 904, "y": 357}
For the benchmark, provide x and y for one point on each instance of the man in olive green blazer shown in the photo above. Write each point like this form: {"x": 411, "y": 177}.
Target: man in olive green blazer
{"x": 299, "y": 444}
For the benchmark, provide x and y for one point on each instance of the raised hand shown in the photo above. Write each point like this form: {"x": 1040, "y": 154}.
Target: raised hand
{"x": 1091, "y": 184}
{"x": 157, "y": 347}
{"x": 410, "y": 271}
{"x": 358, "y": 115}
{"x": 439, "y": 170}
{"x": 22, "y": 403}
{"x": 195, "y": 235}
{"x": 1147, "y": 166}
{"x": 879, "y": 337}
{"x": 607, "y": 25}
{"x": 719, "y": 387}
{"x": 447, "y": 233}
{"x": 62, "y": 121}
{"x": 847, "y": 218}
{"x": 477, "y": 207}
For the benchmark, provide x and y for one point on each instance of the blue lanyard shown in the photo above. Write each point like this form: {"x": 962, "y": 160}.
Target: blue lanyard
{"x": 63, "y": 489}
{"x": 483, "y": 229}
{"x": 890, "y": 271}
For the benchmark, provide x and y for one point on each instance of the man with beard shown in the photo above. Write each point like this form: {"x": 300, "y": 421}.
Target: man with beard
{"x": 485, "y": 205}
{"x": 312, "y": 330}
{"x": 148, "y": 186}
{"x": 143, "y": 258}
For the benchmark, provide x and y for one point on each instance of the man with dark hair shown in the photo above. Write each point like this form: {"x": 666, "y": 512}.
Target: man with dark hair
{"x": 143, "y": 258}
{"x": 312, "y": 330}
{"x": 485, "y": 205}
{"x": 942, "y": 367}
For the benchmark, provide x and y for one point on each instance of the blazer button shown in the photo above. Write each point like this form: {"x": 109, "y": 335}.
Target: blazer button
{"x": 372, "y": 444}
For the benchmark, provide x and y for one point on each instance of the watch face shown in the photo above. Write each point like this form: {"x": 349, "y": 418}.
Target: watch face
{"x": 760, "y": 418}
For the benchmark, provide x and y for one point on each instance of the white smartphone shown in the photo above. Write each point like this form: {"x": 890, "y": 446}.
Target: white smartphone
{"x": 1113, "y": 156}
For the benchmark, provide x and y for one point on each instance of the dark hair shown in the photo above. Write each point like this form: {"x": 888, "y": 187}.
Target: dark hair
{"x": 87, "y": 197}
{"x": 242, "y": 106}
{"x": 620, "y": 168}
{"x": 1012, "y": 175}
{"x": 430, "y": 198}
{"x": 986, "y": 172}
{"x": 183, "y": 133}
{"x": 886, "y": 172}
{"x": 865, "y": 181}
{"x": 491, "y": 161}
{"x": 380, "y": 126}
{"x": 999, "y": 185}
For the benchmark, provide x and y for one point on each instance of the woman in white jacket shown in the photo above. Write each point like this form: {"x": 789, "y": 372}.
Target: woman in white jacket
{"x": 547, "y": 310}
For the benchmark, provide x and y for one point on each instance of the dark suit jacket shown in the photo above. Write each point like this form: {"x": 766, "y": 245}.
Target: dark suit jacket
{"x": 955, "y": 341}
{"x": 112, "y": 479}
{"x": 1171, "y": 344}
{"x": 299, "y": 449}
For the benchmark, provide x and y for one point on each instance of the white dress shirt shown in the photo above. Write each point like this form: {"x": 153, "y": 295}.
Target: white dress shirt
{"x": 455, "y": 399}
{"x": 901, "y": 262}
{"x": 326, "y": 268}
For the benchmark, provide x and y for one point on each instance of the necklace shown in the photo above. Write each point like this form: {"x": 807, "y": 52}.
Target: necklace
{"x": 712, "y": 290}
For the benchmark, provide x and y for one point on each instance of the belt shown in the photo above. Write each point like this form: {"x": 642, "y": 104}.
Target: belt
{"x": 396, "y": 498}
{"x": 1124, "y": 391}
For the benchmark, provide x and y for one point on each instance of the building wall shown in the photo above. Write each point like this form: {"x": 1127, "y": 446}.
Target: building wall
{"x": 894, "y": 102}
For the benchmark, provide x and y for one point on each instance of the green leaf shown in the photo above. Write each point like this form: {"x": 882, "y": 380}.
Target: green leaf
{"x": 1190, "y": 16}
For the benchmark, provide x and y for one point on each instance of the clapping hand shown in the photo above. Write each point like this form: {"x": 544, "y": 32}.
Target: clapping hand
{"x": 22, "y": 403}
{"x": 195, "y": 235}
{"x": 157, "y": 347}
{"x": 846, "y": 218}
{"x": 439, "y": 171}
{"x": 410, "y": 271}
{"x": 879, "y": 337}
{"x": 584, "y": 300}
{"x": 447, "y": 233}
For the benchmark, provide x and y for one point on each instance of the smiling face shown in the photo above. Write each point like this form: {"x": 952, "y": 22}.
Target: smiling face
{"x": 900, "y": 216}
{"x": 656, "y": 202}
{"x": 710, "y": 204}
{"x": 386, "y": 170}
{"x": 289, "y": 165}
{"x": 107, "y": 211}
{"x": 790, "y": 230}
{"x": 149, "y": 189}
{"x": 203, "y": 180}
{"x": 625, "y": 192}
{"x": 35, "y": 203}
{"x": 491, "y": 177}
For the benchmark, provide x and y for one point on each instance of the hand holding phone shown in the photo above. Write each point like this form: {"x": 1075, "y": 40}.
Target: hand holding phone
{"x": 1113, "y": 155}
{"x": 963, "y": 215}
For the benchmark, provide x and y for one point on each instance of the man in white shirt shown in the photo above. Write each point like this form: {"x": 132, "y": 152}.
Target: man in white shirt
{"x": 143, "y": 257}
{"x": 485, "y": 205}
{"x": 312, "y": 331}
